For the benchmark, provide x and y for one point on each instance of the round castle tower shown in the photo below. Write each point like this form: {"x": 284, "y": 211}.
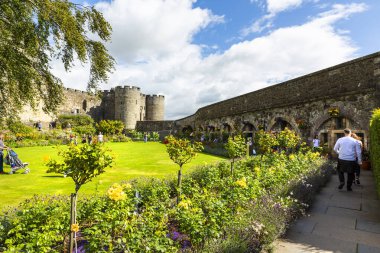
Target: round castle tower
{"x": 128, "y": 105}
{"x": 155, "y": 107}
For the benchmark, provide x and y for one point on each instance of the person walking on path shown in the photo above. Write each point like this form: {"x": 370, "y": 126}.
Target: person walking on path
{"x": 348, "y": 150}
{"x": 357, "y": 165}
{"x": 2, "y": 147}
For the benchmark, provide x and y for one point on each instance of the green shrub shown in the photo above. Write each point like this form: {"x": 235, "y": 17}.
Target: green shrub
{"x": 120, "y": 138}
{"x": 375, "y": 146}
{"x": 87, "y": 129}
{"x": 74, "y": 120}
{"x": 110, "y": 127}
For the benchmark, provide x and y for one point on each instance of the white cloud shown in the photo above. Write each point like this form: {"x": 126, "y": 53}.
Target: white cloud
{"x": 273, "y": 7}
{"x": 149, "y": 29}
{"x": 173, "y": 66}
{"x": 276, "y": 6}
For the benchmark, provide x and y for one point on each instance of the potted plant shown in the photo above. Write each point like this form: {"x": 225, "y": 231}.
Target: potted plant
{"x": 366, "y": 163}
{"x": 334, "y": 112}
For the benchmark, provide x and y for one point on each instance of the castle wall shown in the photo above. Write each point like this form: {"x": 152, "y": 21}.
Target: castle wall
{"x": 303, "y": 104}
{"x": 155, "y": 107}
{"x": 108, "y": 105}
{"x": 75, "y": 102}
{"x": 142, "y": 115}
{"x": 127, "y": 105}
{"x": 154, "y": 126}
{"x": 353, "y": 76}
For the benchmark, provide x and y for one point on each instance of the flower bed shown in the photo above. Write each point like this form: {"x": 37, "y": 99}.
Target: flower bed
{"x": 217, "y": 212}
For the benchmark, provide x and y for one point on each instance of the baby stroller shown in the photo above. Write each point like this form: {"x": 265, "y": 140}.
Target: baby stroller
{"x": 16, "y": 164}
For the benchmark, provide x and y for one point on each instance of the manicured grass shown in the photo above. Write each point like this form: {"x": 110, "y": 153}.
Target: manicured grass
{"x": 132, "y": 160}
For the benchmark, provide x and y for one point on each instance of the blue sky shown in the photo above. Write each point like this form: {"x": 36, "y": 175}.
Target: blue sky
{"x": 238, "y": 14}
{"x": 200, "y": 52}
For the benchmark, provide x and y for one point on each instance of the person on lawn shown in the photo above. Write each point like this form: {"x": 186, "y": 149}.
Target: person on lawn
{"x": 2, "y": 147}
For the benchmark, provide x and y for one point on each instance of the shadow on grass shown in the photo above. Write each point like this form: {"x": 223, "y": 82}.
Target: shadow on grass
{"x": 52, "y": 176}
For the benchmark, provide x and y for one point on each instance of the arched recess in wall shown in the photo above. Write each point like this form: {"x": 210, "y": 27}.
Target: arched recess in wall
{"x": 84, "y": 105}
{"x": 226, "y": 128}
{"x": 329, "y": 128}
{"x": 210, "y": 128}
{"x": 248, "y": 129}
{"x": 279, "y": 123}
{"x": 187, "y": 129}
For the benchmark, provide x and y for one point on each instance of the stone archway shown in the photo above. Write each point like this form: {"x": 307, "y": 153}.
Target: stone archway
{"x": 279, "y": 123}
{"x": 187, "y": 129}
{"x": 248, "y": 129}
{"x": 330, "y": 128}
{"x": 226, "y": 128}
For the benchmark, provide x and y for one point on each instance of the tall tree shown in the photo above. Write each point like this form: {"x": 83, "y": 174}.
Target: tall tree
{"x": 32, "y": 33}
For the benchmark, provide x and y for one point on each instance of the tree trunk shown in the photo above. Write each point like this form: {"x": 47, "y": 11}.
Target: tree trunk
{"x": 73, "y": 220}
{"x": 179, "y": 184}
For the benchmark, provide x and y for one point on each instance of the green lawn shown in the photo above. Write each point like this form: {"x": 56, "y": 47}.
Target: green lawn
{"x": 132, "y": 160}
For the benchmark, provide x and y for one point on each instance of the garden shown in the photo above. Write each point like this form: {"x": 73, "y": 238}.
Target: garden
{"x": 131, "y": 160}
{"x": 237, "y": 205}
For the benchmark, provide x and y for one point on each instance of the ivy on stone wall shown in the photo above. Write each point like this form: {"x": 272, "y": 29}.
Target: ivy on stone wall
{"x": 375, "y": 146}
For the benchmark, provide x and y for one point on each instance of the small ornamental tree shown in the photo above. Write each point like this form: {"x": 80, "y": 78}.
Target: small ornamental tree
{"x": 265, "y": 142}
{"x": 236, "y": 148}
{"x": 288, "y": 140}
{"x": 81, "y": 163}
{"x": 110, "y": 127}
{"x": 181, "y": 151}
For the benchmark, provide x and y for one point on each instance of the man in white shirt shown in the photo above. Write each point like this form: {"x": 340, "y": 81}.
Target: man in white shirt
{"x": 348, "y": 150}
{"x": 316, "y": 142}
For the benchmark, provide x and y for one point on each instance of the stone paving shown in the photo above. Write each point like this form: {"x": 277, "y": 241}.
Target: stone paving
{"x": 338, "y": 221}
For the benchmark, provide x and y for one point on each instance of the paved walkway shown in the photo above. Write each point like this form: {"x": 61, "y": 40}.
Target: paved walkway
{"x": 339, "y": 221}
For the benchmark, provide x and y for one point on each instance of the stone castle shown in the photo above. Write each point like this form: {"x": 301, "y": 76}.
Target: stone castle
{"x": 126, "y": 104}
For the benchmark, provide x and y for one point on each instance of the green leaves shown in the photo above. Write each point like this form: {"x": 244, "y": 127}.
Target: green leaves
{"x": 375, "y": 146}
{"x": 82, "y": 163}
{"x": 110, "y": 127}
{"x": 265, "y": 141}
{"x": 236, "y": 147}
{"x": 181, "y": 151}
{"x": 34, "y": 31}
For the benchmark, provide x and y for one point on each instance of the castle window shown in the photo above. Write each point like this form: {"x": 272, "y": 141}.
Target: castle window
{"x": 84, "y": 105}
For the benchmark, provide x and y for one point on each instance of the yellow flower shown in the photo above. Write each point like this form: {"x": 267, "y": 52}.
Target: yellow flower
{"x": 74, "y": 227}
{"x": 242, "y": 182}
{"x": 127, "y": 186}
{"x": 184, "y": 204}
{"x": 46, "y": 158}
{"x": 115, "y": 192}
{"x": 291, "y": 157}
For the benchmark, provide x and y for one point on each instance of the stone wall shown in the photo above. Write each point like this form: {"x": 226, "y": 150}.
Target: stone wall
{"x": 303, "y": 104}
{"x": 356, "y": 75}
{"x": 76, "y": 102}
{"x": 154, "y": 126}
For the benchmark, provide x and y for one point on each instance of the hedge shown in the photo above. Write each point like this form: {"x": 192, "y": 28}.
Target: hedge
{"x": 375, "y": 146}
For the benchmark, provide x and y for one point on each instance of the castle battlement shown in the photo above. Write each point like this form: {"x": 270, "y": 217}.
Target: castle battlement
{"x": 127, "y": 87}
{"x": 155, "y": 96}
